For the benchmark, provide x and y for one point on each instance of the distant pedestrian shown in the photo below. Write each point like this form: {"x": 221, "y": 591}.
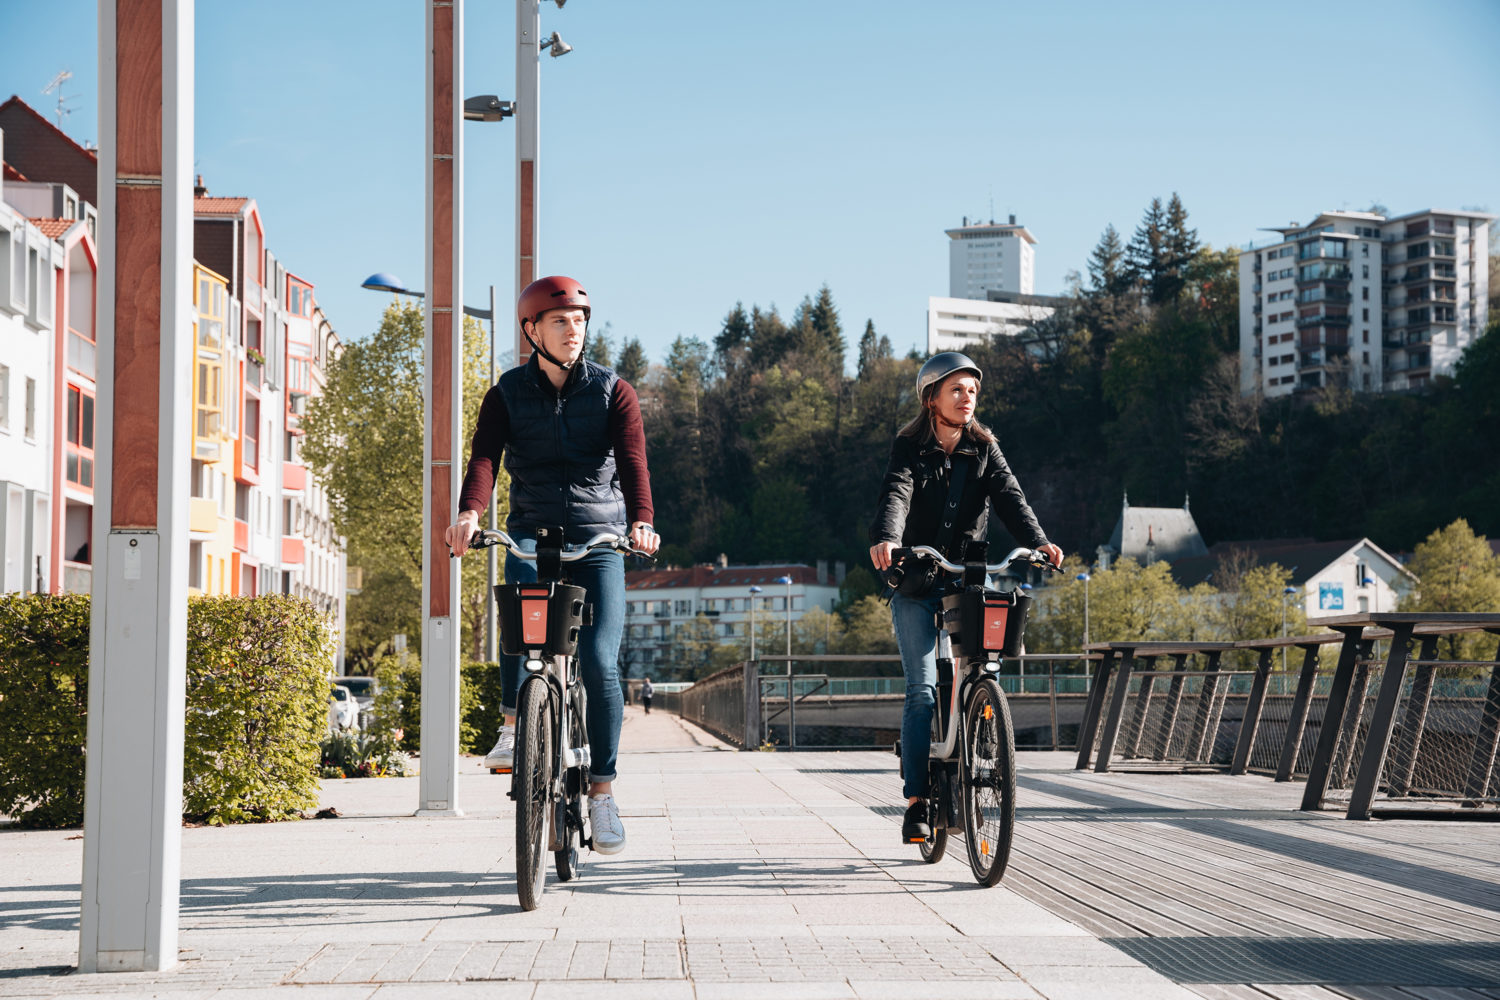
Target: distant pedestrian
{"x": 647, "y": 693}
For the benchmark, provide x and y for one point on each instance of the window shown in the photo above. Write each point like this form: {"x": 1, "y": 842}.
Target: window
{"x": 31, "y": 409}
{"x": 80, "y": 420}
{"x": 210, "y": 395}
{"x": 1364, "y": 293}
{"x": 1365, "y": 315}
{"x": 1365, "y": 270}
{"x": 250, "y": 448}
{"x": 1365, "y": 334}
{"x": 195, "y": 565}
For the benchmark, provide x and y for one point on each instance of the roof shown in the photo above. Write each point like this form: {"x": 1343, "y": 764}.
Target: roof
{"x": 12, "y": 174}
{"x": 44, "y": 153}
{"x": 219, "y": 206}
{"x": 53, "y": 228}
{"x": 720, "y": 576}
{"x": 1305, "y": 557}
{"x": 1156, "y": 534}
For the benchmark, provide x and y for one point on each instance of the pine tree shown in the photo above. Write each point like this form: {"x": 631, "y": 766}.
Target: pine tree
{"x": 824, "y": 317}
{"x": 1146, "y": 254}
{"x": 1107, "y": 263}
{"x": 734, "y": 333}
{"x": 868, "y": 346}
{"x": 632, "y": 366}
{"x": 597, "y": 349}
{"x": 1179, "y": 246}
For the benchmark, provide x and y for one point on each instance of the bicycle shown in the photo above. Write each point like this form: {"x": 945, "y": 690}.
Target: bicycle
{"x": 971, "y": 784}
{"x": 549, "y": 778}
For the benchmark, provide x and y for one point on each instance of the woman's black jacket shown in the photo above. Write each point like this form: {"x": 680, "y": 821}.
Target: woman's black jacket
{"x": 914, "y": 496}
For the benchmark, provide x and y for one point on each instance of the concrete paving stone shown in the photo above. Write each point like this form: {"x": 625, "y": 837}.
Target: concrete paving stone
{"x": 450, "y": 991}
{"x": 1098, "y": 975}
{"x": 574, "y": 989}
{"x": 948, "y": 989}
{"x": 362, "y": 991}
{"x": 1165, "y": 989}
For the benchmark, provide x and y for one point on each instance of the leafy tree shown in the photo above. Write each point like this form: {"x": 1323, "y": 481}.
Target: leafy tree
{"x": 817, "y": 631}
{"x": 868, "y": 627}
{"x": 1126, "y": 601}
{"x": 1457, "y": 572}
{"x": 363, "y": 441}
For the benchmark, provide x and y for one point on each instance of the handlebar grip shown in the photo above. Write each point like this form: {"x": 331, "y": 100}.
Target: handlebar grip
{"x": 899, "y": 554}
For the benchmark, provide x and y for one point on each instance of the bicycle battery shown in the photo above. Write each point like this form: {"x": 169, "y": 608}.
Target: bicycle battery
{"x": 543, "y": 616}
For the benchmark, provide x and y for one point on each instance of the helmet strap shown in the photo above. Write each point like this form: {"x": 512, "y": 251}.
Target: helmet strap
{"x": 539, "y": 349}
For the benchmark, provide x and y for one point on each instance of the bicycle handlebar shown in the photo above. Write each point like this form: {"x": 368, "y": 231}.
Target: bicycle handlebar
{"x": 620, "y": 543}
{"x": 1035, "y": 557}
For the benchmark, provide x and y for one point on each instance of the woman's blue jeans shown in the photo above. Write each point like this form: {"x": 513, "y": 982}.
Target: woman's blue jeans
{"x": 602, "y": 575}
{"x": 915, "y": 620}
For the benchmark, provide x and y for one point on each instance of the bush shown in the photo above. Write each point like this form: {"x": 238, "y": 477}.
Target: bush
{"x": 350, "y": 755}
{"x": 257, "y": 705}
{"x": 44, "y": 669}
{"x": 478, "y": 702}
{"x": 257, "y": 693}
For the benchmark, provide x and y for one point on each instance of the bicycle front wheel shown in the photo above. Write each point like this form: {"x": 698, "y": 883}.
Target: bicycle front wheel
{"x": 533, "y": 778}
{"x": 988, "y": 780}
{"x": 937, "y": 815}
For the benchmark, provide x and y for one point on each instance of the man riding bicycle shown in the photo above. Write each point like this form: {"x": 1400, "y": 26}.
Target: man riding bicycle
{"x": 571, "y": 437}
{"x": 946, "y": 472}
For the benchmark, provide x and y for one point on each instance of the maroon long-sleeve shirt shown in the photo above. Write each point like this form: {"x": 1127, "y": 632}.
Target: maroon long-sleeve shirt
{"x": 627, "y": 436}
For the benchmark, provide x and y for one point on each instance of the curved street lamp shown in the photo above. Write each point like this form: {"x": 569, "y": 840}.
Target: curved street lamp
{"x": 1084, "y": 579}
{"x": 753, "y": 592}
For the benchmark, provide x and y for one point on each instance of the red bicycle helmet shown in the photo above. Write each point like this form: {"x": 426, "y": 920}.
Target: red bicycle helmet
{"x": 554, "y": 292}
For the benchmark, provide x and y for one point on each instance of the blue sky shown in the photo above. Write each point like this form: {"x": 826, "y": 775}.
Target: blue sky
{"x": 696, "y": 154}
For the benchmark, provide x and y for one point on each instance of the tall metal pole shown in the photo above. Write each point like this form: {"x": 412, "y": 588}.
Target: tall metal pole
{"x": 528, "y": 139}
{"x": 492, "y": 565}
{"x": 132, "y": 817}
{"x": 443, "y": 405}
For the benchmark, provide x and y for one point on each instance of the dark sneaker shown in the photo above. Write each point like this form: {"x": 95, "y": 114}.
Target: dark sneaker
{"x": 914, "y": 829}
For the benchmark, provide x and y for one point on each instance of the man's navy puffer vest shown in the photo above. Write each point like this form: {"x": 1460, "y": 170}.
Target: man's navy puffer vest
{"x": 560, "y": 456}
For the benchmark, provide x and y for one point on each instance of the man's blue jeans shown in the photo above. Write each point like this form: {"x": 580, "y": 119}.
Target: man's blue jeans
{"x": 915, "y": 620}
{"x": 602, "y": 575}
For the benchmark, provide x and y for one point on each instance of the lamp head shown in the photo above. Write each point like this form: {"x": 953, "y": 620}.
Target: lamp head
{"x": 487, "y": 108}
{"x": 557, "y": 45}
{"x": 754, "y": 590}
{"x": 385, "y": 281}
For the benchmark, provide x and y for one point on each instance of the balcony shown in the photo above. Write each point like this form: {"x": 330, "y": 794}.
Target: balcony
{"x": 81, "y": 353}
{"x": 292, "y": 551}
{"x": 203, "y": 515}
{"x": 241, "y": 536}
{"x": 293, "y": 477}
{"x": 78, "y": 578}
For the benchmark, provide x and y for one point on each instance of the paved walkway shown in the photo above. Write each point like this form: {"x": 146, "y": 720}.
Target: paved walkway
{"x": 746, "y": 875}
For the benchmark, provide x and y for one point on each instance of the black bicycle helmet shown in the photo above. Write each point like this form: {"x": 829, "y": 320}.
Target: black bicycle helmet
{"x": 940, "y": 366}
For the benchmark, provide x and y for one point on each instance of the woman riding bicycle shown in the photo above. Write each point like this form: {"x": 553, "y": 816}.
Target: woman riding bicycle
{"x": 571, "y": 436}
{"x": 946, "y": 472}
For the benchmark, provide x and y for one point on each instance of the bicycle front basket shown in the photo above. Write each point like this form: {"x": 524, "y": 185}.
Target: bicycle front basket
{"x": 543, "y": 616}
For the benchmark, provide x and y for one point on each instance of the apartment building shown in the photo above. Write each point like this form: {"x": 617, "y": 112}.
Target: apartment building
{"x": 658, "y": 601}
{"x": 990, "y": 256}
{"x": 258, "y": 522}
{"x": 1361, "y": 300}
{"x": 961, "y": 324}
{"x": 48, "y": 278}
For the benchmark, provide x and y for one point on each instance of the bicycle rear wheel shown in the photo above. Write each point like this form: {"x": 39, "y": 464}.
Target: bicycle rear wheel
{"x": 988, "y": 782}
{"x": 533, "y": 780}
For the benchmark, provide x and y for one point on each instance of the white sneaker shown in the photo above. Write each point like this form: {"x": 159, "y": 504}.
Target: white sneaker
{"x": 604, "y": 819}
{"x": 503, "y": 756}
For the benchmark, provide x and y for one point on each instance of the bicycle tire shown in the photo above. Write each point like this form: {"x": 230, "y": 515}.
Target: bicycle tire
{"x": 988, "y": 782}
{"x": 936, "y": 844}
{"x": 533, "y": 779}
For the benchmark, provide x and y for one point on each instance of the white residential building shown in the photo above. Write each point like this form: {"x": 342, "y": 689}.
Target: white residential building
{"x": 1362, "y": 300}
{"x": 989, "y": 256}
{"x": 960, "y": 324}
{"x": 27, "y": 341}
{"x": 659, "y": 600}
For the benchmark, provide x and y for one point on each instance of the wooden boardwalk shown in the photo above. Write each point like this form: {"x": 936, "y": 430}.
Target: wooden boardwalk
{"x": 1222, "y": 885}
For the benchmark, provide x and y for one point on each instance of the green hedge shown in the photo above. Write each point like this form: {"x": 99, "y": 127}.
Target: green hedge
{"x": 257, "y": 705}
{"x": 478, "y": 701}
{"x": 44, "y": 673}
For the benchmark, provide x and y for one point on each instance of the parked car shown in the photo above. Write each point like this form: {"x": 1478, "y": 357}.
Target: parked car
{"x": 364, "y": 690}
{"x": 343, "y": 709}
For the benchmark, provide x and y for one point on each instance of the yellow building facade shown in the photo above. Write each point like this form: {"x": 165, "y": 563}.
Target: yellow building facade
{"x": 211, "y": 510}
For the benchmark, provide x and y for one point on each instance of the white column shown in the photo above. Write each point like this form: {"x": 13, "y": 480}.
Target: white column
{"x": 138, "y": 637}
{"x": 443, "y": 405}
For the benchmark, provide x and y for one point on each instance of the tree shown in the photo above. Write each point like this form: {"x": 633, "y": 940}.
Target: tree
{"x": 872, "y": 349}
{"x": 1457, "y": 572}
{"x": 868, "y": 628}
{"x": 1107, "y": 269}
{"x": 599, "y": 345}
{"x": 363, "y": 442}
{"x": 1252, "y": 602}
{"x": 1179, "y": 247}
{"x": 1146, "y": 255}
{"x": 632, "y": 366}
{"x": 734, "y": 334}
{"x": 1126, "y": 601}
{"x": 817, "y": 631}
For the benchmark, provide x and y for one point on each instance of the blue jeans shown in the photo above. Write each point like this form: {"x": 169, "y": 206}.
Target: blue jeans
{"x": 602, "y": 574}
{"x": 915, "y": 620}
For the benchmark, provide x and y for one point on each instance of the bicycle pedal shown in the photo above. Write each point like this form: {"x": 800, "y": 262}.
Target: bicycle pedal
{"x": 501, "y": 770}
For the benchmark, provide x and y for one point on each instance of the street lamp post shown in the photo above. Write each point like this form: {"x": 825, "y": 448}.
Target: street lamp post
{"x": 753, "y": 592}
{"x": 1084, "y": 577}
{"x": 791, "y": 695}
{"x": 1286, "y": 593}
{"x": 384, "y": 281}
